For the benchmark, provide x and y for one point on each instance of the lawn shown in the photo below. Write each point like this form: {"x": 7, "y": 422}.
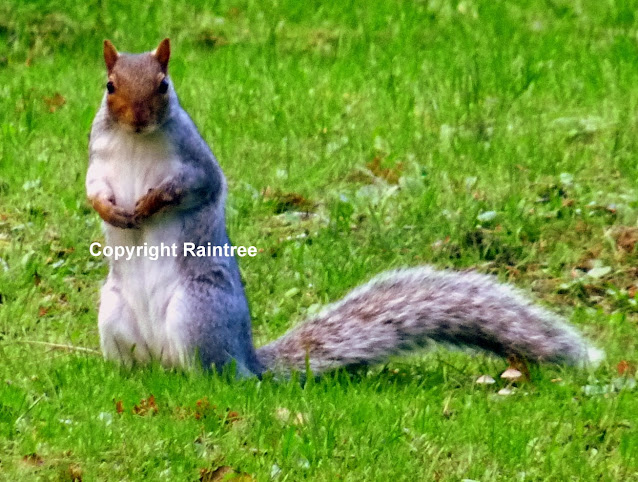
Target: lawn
{"x": 356, "y": 137}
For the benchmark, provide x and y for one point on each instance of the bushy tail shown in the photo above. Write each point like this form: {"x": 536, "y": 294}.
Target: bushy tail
{"x": 403, "y": 310}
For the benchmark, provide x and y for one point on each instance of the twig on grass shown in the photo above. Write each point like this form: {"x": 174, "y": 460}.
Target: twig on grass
{"x": 37, "y": 400}
{"x": 59, "y": 346}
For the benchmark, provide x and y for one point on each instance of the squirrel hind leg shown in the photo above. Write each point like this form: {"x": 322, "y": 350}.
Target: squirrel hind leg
{"x": 120, "y": 338}
{"x": 218, "y": 321}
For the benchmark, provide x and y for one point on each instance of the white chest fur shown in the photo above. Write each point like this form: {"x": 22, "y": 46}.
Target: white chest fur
{"x": 129, "y": 165}
{"x": 132, "y": 163}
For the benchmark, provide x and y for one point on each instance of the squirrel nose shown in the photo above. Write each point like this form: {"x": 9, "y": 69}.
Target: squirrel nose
{"x": 141, "y": 116}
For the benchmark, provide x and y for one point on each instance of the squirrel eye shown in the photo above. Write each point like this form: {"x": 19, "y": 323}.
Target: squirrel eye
{"x": 163, "y": 86}
{"x": 110, "y": 87}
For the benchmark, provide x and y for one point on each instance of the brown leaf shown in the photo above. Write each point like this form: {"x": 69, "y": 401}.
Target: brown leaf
{"x": 42, "y": 311}
{"x": 225, "y": 472}
{"x": 211, "y": 39}
{"x": 119, "y": 406}
{"x": 626, "y": 368}
{"x": 55, "y": 102}
{"x": 232, "y": 417}
{"x": 146, "y": 406}
{"x": 288, "y": 201}
{"x": 360, "y": 176}
{"x": 626, "y": 238}
{"x": 33, "y": 460}
{"x": 390, "y": 174}
{"x": 203, "y": 408}
{"x": 74, "y": 473}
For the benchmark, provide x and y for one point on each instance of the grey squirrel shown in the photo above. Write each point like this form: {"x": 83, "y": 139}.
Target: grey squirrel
{"x": 153, "y": 179}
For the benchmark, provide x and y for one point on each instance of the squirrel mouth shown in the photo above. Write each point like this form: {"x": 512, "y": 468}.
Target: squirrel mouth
{"x": 143, "y": 128}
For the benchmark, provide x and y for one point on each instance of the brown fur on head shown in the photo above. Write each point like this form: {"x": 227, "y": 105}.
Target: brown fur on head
{"x": 137, "y": 86}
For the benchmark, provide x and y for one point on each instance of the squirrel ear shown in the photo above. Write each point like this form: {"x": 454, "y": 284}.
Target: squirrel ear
{"x": 110, "y": 55}
{"x": 163, "y": 53}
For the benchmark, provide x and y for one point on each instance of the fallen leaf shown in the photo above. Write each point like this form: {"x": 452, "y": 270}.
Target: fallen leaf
{"x": 74, "y": 473}
{"x": 203, "y": 408}
{"x": 626, "y": 368}
{"x": 146, "y": 406}
{"x": 33, "y": 460}
{"x": 232, "y": 417}
{"x": 225, "y": 472}
{"x": 119, "y": 406}
{"x": 390, "y": 174}
{"x": 626, "y": 238}
{"x": 54, "y": 102}
{"x": 289, "y": 201}
{"x": 212, "y": 39}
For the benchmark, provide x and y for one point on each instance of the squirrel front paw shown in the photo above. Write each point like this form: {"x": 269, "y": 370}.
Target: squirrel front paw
{"x": 113, "y": 214}
{"x": 152, "y": 202}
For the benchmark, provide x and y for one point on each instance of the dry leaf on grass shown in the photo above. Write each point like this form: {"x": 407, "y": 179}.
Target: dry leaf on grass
{"x": 287, "y": 201}
{"x": 211, "y": 39}
{"x": 74, "y": 473}
{"x": 203, "y": 409}
{"x": 225, "y": 472}
{"x": 625, "y": 367}
{"x": 626, "y": 238}
{"x": 390, "y": 174}
{"x": 119, "y": 406}
{"x": 54, "y": 102}
{"x": 146, "y": 406}
{"x": 33, "y": 460}
{"x": 232, "y": 417}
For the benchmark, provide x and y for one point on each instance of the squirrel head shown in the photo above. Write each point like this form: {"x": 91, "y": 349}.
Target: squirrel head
{"x": 138, "y": 87}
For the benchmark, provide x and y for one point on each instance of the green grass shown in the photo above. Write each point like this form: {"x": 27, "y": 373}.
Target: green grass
{"x": 513, "y": 130}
